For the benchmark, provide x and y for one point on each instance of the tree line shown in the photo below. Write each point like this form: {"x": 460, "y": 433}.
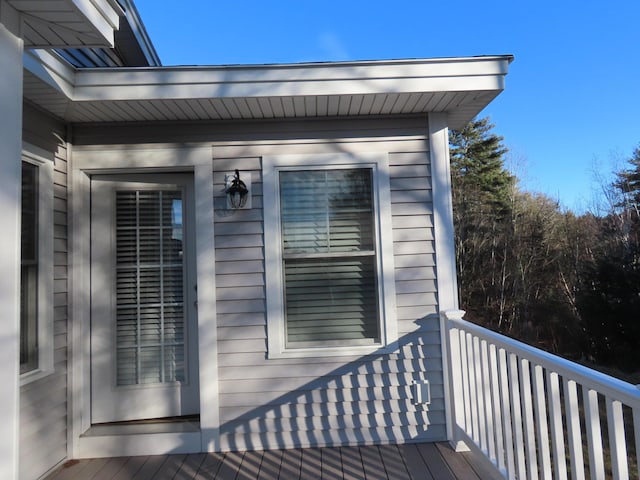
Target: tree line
{"x": 567, "y": 283}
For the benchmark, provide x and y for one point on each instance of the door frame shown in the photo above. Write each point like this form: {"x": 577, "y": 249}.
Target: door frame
{"x": 83, "y": 440}
{"x": 140, "y": 395}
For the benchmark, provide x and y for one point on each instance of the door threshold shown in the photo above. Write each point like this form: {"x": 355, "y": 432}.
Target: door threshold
{"x": 188, "y": 424}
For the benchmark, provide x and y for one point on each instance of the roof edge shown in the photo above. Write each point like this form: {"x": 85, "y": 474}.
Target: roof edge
{"x": 141, "y": 34}
{"x": 508, "y": 58}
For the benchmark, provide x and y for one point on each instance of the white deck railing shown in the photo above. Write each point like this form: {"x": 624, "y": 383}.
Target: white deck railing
{"x": 535, "y": 415}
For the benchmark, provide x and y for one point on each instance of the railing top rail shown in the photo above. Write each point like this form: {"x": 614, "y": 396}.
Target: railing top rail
{"x": 610, "y": 386}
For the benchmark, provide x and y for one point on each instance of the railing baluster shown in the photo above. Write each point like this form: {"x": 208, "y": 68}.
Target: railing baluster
{"x": 594, "y": 433}
{"x": 542, "y": 430}
{"x": 516, "y": 410}
{"x": 473, "y": 390}
{"x": 529, "y": 425}
{"x": 573, "y": 429}
{"x": 506, "y": 412}
{"x": 617, "y": 443}
{"x": 464, "y": 364}
{"x": 482, "y": 420}
{"x": 496, "y": 408}
{"x": 488, "y": 401}
{"x": 557, "y": 429}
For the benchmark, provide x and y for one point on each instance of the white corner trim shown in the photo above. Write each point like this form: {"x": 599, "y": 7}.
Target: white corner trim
{"x": 207, "y": 304}
{"x": 447, "y": 283}
{"x": 446, "y": 280}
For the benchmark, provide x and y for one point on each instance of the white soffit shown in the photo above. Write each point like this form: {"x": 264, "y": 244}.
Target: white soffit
{"x": 68, "y": 23}
{"x": 460, "y": 86}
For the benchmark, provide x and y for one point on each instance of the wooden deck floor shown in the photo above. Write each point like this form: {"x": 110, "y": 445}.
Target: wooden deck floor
{"x": 386, "y": 462}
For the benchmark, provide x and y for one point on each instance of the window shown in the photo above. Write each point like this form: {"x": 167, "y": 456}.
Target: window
{"x": 29, "y": 270}
{"x": 150, "y": 333}
{"x": 330, "y": 267}
{"x": 36, "y": 279}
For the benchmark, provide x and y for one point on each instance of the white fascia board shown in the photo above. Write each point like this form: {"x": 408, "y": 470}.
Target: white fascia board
{"x": 51, "y": 70}
{"x": 352, "y": 78}
{"x": 102, "y": 15}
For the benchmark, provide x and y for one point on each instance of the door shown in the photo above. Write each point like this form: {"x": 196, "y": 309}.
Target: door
{"x": 143, "y": 318}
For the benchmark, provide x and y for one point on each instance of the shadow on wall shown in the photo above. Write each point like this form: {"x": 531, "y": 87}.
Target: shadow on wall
{"x": 372, "y": 399}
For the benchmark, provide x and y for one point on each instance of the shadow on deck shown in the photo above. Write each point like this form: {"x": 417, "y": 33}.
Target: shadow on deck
{"x": 423, "y": 461}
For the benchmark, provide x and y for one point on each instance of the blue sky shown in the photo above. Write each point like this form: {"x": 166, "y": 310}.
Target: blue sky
{"x": 571, "y": 108}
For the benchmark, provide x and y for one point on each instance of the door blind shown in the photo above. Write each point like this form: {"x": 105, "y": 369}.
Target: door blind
{"x": 150, "y": 330}
{"x": 330, "y": 278}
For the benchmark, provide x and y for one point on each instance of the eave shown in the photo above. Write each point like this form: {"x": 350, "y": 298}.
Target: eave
{"x": 462, "y": 87}
{"x": 68, "y": 23}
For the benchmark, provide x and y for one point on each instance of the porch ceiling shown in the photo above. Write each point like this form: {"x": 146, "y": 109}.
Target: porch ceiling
{"x": 460, "y": 86}
{"x": 68, "y": 23}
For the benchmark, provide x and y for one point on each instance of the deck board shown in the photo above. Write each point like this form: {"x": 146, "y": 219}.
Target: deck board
{"x": 291, "y": 464}
{"x": 150, "y": 467}
{"x": 372, "y": 461}
{"x": 251, "y": 461}
{"x": 435, "y": 461}
{"x": 352, "y": 466}
{"x": 190, "y": 467}
{"x": 394, "y": 463}
{"x": 130, "y": 467}
{"x": 414, "y": 462}
{"x": 311, "y": 463}
{"x": 331, "y": 463}
{"x": 457, "y": 462}
{"x": 231, "y": 464}
{"x": 422, "y": 461}
{"x": 210, "y": 466}
{"x": 271, "y": 465}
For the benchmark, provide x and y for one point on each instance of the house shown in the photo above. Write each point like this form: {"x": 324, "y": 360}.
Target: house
{"x": 144, "y": 312}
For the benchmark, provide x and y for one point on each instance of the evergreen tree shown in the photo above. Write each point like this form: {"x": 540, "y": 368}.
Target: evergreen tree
{"x": 477, "y": 167}
{"x": 569, "y": 284}
{"x": 512, "y": 252}
{"x": 482, "y": 192}
{"x": 628, "y": 182}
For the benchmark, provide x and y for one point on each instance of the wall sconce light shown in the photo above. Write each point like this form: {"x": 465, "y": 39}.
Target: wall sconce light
{"x": 238, "y": 192}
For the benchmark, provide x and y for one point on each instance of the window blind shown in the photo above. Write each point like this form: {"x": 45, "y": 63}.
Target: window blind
{"x": 327, "y": 221}
{"x": 149, "y": 287}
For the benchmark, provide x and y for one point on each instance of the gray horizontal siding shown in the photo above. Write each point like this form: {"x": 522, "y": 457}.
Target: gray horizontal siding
{"x": 43, "y": 403}
{"x": 314, "y": 401}
{"x": 281, "y": 403}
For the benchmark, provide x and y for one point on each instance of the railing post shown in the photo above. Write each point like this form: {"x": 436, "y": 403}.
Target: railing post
{"x": 452, "y": 376}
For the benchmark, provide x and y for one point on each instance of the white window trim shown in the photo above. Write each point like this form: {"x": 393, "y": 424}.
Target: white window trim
{"x": 379, "y": 162}
{"x": 44, "y": 160}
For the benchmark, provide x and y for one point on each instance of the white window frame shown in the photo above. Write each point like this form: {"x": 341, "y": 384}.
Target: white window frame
{"x": 44, "y": 160}
{"x": 274, "y": 271}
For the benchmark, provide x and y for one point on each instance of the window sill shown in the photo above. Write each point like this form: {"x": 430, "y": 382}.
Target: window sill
{"x": 318, "y": 352}
{"x": 34, "y": 375}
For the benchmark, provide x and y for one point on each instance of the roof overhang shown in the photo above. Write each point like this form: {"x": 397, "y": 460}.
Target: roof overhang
{"x": 68, "y": 23}
{"x": 461, "y": 87}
